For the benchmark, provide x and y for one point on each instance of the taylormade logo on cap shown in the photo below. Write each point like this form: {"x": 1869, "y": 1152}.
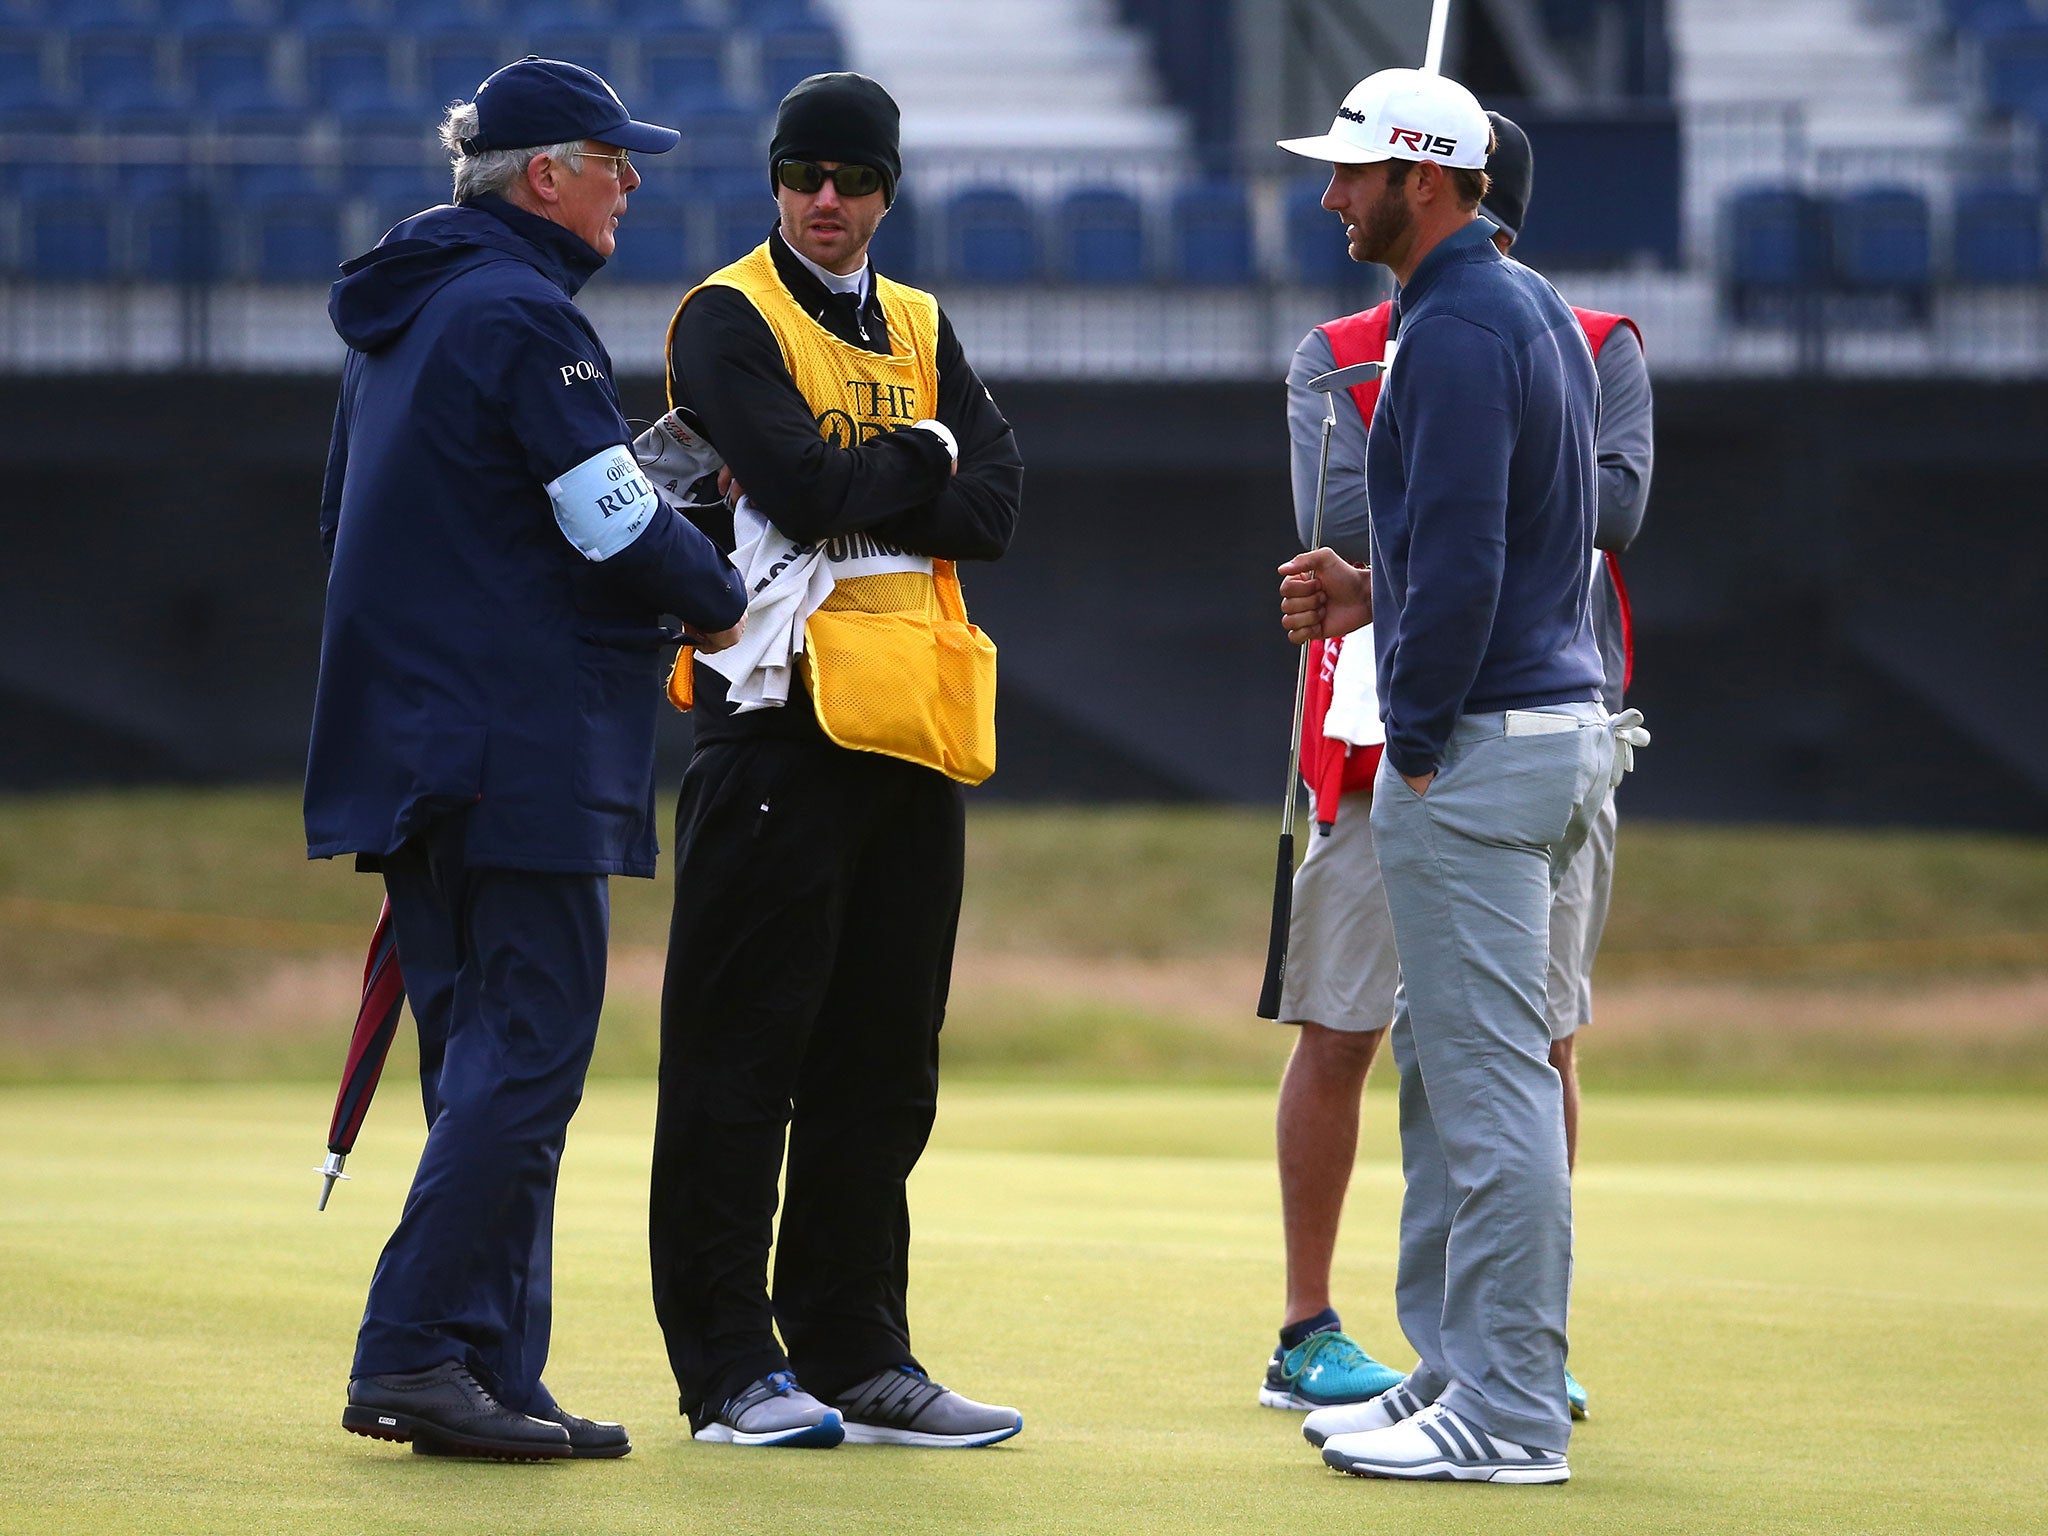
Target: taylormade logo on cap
{"x": 1403, "y": 114}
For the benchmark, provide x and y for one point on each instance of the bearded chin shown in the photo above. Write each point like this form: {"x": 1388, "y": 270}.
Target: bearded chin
{"x": 1386, "y": 222}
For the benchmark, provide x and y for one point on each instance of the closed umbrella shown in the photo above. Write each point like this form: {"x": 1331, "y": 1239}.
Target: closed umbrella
{"x": 376, "y": 1023}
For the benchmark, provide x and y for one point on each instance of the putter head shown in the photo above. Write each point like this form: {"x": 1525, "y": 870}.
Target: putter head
{"x": 1343, "y": 378}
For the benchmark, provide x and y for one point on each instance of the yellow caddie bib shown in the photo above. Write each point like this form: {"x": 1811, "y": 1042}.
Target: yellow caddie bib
{"x": 892, "y": 662}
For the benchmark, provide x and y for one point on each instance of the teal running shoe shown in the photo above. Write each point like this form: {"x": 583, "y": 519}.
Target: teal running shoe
{"x": 1575, "y": 1395}
{"x": 1323, "y": 1370}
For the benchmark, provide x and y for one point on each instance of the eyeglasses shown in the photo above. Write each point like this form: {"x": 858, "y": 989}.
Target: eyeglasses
{"x": 620, "y": 164}
{"x": 847, "y": 180}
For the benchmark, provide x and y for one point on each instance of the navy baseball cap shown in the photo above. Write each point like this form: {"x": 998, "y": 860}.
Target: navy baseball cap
{"x": 545, "y": 101}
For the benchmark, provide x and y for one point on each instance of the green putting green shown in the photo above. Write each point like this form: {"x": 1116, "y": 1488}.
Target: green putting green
{"x": 1794, "y": 1314}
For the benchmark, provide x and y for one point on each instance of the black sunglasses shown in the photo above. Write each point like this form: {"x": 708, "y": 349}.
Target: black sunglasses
{"x": 848, "y": 180}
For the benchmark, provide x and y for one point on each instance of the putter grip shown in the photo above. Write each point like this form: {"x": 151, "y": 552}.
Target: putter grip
{"x": 1276, "y": 942}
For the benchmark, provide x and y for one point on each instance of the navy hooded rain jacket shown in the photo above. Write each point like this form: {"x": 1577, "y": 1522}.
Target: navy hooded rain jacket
{"x": 472, "y": 658}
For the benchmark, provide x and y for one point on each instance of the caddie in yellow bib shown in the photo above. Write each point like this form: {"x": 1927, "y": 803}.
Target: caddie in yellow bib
{"x": 892, "y": 664}
{"x": 821, "y": 829}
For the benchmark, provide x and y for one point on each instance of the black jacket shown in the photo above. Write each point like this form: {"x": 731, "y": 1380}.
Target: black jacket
{"x": 725, "y": 364}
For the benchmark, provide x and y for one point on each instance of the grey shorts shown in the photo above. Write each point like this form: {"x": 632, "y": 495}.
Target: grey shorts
{"x": 1341, "y": 964}
{"x": 1578, "y": 916}
{"x": 1341, "y": 970}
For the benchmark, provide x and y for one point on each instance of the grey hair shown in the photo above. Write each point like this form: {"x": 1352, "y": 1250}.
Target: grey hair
{"x": 494, "y": 170}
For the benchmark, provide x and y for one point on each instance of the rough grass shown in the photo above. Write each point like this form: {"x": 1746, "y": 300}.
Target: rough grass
{"x": 180, "y": 935}
{"x": 1795, "y": 1315}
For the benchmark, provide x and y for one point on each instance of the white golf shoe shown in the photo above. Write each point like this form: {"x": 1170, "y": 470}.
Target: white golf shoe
{"x": 1381, "y": 1412}
{"x": 1436, "y": 1445}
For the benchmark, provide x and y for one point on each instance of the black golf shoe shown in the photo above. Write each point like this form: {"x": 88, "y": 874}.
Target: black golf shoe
{"x": 451, "y": 1410}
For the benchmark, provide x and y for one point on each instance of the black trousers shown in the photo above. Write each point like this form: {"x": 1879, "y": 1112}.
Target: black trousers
{"x": 817, "y": 900}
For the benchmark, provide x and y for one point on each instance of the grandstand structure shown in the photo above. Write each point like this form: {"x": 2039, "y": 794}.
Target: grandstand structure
{"x": 1772, "y": 186}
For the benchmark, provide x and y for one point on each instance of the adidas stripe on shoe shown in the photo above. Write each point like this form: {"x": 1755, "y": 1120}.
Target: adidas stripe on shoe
{"x": 1436, "y": 1445}
{"x": 1383, "y": 1412}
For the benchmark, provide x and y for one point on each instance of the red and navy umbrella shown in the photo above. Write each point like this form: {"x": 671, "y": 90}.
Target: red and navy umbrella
{"x": 376, "y": 1024}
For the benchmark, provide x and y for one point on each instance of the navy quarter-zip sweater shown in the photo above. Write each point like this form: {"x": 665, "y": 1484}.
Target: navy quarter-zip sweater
{"x": 471, "y": 658}
{"x": 1483, "y": 486}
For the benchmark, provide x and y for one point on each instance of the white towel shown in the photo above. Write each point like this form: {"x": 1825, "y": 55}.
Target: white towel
{"x": 1354, "y": 715}
{"x": 786, "y": 581}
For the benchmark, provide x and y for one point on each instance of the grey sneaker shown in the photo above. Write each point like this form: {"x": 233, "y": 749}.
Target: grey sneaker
{"x": 775, "y": 1411}
{"x": 903, "y": 1406}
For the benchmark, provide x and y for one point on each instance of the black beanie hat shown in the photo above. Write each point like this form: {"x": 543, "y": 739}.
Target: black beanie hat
{"x": 1513, "y": 169}
{"x": 844, "y": 117}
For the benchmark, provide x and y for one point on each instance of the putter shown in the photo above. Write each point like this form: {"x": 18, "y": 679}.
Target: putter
{"x": 1326, "y": 385}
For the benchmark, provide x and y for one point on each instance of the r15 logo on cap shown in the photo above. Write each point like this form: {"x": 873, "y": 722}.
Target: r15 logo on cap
{"x": 1417, "y": 142}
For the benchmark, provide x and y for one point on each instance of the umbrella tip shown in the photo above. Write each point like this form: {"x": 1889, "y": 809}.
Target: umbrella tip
{"x": 330, "y": 1171}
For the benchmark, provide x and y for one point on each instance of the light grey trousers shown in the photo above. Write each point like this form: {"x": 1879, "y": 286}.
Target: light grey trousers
{"x": 1486, "y": 1225}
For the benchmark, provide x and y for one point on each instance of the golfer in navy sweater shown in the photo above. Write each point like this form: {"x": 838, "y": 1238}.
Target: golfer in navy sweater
{"x": 1480, "y": 472}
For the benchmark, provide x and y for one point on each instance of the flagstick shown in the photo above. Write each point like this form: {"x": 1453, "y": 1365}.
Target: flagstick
{"x": 1439, "y": 22}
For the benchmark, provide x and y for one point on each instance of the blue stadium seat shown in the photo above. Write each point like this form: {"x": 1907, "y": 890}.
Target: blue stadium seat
{"x": 176, "y": 237}
{"x": 1884, "y": 242}
{"x": 103, "y": 64}
{"x": 739, "y": 222}
{"x": 454, "y": 61}
{"x": 53, "y": 178}
{"x": 1998, "y": 235}
{"x": 573, "y": 43}
{"x": 1985, "y": 15}
{"x": 544, "y": 13}
{"x": 1988, "y": 16}
{"x": 143, "y": 109}
{"x": 640, "y": 17}
{"x": 719, "y": 142}
{"x": 993, "y": 237}
{"x": 21, "y": 61}
{"x": 1777, "y": 243}
{"x": 416, "y": 186}
{"x": 346, "y": 59}
{"x": 2016, "y": 65}
{"x": 1102, "y": 236}
{"x": 715, "y": 174}
{"x": 251, "y": 110}
{"x": 1212, "y": 234}
{"x": 682, "y": 65}
{"x": 1315, "y": 238}
{"x": 365, "y": 115}
{"x": 80, "y": 17}
{"x": 654, "y": 240}
{"x": 250, "y": 182}
{"x": 68, "y": 238}
{"x": 779, "y": 15}
{"x": 38, "y": 111}
{"x": 187, "y": 14}
{"x": 296, "y": 238}
{"x": 138, "y": 182}
{"x": 896, "y": 250}
{"x": 225, "y": 58}
{"x": 794, "y": 54}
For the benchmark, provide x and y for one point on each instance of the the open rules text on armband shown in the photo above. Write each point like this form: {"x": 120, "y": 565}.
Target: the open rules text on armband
{"x": 603, "y": 503}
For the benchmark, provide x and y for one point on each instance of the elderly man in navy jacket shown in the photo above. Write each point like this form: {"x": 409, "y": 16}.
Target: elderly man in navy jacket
{"x": 484, "y": 729}
{"x": 1480, "y": 475}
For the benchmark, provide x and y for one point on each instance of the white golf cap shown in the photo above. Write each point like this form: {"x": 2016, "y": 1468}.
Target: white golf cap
{"x": 1403, "y": 114}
